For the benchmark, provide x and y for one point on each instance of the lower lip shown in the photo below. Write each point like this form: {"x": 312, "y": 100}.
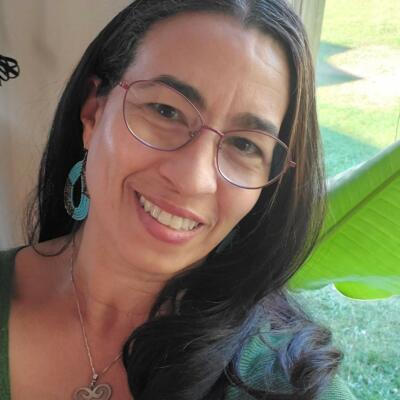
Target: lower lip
{"x": 160, "y": 231}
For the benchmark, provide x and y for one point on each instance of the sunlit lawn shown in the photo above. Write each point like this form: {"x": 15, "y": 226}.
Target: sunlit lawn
{"x": 359, "y": 106}
{"x": 358, "y": 80}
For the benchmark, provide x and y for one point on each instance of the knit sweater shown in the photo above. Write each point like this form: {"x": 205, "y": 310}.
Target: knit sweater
{"x": 253, "y": 367}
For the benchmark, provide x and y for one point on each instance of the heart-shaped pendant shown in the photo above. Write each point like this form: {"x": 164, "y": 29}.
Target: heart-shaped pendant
{"x": 99, "y": 392}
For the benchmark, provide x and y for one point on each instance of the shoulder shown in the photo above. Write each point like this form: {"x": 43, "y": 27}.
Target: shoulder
{"x": 38, "y": 271}
{"x": 7, "y": 268}
{"x": 7, "y": 261}
{"x": 260, "y": 369}
{"x": 7, "y": 256}
{"x": 26, "y": 272}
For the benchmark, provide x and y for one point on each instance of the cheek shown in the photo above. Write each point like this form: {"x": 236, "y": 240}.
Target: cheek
{"x": 108, "y": 154}
{"x": 115, "y": 144}
{"x": 236, "y": 203}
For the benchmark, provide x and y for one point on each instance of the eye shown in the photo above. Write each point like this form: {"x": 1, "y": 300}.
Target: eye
{"x": 245, "y": 146}
{"x": 165, "y": 110}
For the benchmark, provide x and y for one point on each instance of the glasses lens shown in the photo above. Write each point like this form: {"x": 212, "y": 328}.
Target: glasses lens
{"x": 251, "y": 159}
{"x": 159, "y": 116}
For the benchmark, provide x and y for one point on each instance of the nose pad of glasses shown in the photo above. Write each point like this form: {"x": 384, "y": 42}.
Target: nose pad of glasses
{"x": 197, "y": 131}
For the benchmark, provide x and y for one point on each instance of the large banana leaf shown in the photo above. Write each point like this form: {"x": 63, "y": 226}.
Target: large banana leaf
{"x": 359, "y": 246}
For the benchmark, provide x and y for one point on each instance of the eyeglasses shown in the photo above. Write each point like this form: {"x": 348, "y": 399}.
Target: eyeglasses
{"x": 162, "y": 118}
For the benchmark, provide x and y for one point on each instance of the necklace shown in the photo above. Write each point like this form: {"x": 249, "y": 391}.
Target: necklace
{"x": 92, "y": 391}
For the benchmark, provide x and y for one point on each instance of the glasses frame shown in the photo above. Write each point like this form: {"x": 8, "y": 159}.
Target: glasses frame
{"x": 289, "y": 163}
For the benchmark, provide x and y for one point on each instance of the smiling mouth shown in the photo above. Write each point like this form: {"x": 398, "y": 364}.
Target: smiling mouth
{"x": 165, "y": 218}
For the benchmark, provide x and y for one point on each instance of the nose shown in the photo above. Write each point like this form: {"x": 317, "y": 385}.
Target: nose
{"x": 192, "y": 169}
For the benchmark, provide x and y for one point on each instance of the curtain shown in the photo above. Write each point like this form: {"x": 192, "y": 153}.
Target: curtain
{"x": 311, "y": 12}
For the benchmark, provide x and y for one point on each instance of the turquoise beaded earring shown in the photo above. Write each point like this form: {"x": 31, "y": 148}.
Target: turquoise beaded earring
{"x": 80, "y": 212}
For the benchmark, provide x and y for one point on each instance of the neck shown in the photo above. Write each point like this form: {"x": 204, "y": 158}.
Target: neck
{"x": 112, "y": 293}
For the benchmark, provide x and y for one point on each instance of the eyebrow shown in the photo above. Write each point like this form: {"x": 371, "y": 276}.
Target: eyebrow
{"x": 243, "y": 120}
{"x": 252, "y": 121}
{"x": 187, "y": 90}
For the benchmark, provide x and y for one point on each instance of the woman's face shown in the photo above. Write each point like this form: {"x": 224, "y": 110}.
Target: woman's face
{"x": 236, "y": 71}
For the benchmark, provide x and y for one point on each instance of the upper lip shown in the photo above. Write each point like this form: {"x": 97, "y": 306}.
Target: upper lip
{"x": 174, "y": 209}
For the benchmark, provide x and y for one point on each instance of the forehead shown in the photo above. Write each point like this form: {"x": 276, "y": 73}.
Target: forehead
{"x": 227, "y": 63}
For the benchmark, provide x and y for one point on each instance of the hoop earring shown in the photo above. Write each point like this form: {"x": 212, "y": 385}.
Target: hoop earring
{"x": 80, "y": 212}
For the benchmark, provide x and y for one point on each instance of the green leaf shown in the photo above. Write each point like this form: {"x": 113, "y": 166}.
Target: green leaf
{"x": 359, "y": 246}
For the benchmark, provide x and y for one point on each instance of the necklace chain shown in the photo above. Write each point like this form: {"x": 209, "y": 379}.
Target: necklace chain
{"x": 95, "y": 375}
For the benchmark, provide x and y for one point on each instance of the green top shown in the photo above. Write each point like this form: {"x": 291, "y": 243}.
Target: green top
{"x": 254, "y": 361}
{"x": 6, "y": 270}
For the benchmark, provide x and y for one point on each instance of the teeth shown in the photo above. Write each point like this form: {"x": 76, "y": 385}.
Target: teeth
{"x": 155, "y": 212}
{"x": 185, "y": 225}
{"x": 192, "y": 225}
{"x": 165, "y": 218}
{"x": 176, "y": 223}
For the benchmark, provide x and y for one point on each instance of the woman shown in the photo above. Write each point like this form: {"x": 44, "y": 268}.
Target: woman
{"x": 185, "y": 151}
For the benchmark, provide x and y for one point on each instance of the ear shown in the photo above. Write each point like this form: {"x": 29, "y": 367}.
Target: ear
{"x": 91, "y": 111}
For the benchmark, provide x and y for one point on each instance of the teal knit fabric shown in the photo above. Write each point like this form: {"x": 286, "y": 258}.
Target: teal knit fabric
{"x": 259, "y": 369}
{"x": 258, "y": 365}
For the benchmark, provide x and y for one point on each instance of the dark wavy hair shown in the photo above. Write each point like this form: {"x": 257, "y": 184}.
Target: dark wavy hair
{"x": 193, "y": 352}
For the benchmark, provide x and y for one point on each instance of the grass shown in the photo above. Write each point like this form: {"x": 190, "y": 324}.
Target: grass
{"x": 353, "y": 134}
{"x": 343, "y": 150}
{"x": 358, "y": 99}
{"x": 358, "y": 78}
{"x": 358, "y": 23}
